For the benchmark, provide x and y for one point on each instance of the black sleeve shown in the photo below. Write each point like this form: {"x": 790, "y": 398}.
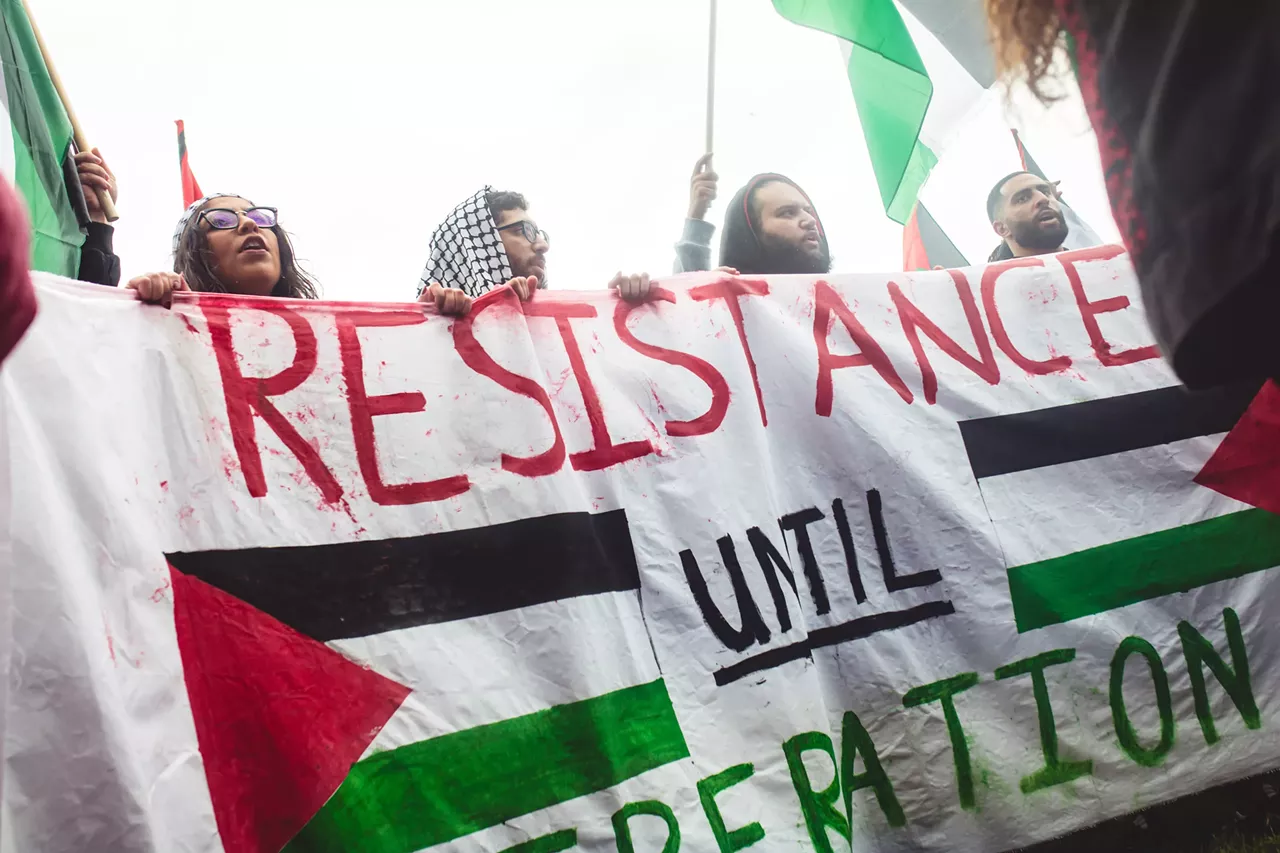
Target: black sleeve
{"x": 98, "y": 263}
{"x": 1183, "y": 101}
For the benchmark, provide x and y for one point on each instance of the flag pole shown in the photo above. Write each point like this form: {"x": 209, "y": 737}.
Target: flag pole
{"x": 711, "y": 79}
{"x": 82, "y": 144}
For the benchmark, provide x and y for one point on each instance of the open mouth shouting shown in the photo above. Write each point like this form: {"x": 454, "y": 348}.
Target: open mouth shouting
{"x": 253, "y": 245}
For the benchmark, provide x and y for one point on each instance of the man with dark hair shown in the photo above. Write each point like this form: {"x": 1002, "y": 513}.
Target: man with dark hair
{"x": 525, "y": 244}
{"x": 770, "y": 228}
{"x": 1024, "y": 210}
{"x": 490, "y": 240}
{"x": 487, "y": 241}
{"x": 1182, "y": 98}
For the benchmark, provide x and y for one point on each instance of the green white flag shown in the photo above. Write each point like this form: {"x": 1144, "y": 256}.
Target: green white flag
{"x": 41, "y": 144}
{"x": 909, "y": 108}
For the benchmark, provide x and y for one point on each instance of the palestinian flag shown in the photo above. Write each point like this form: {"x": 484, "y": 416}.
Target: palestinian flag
{"x": 1072, "y": 552}
{"x": 908, "y": 109}
{"x": 1079, "y": 234}
{"x": 324, "y": 683}
{"x": 925, "y": 245}
{"x": 190, "y": 186}
{"x": 39, "y": 160}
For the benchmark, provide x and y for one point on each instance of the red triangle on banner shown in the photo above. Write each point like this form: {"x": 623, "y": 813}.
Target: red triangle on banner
{"x": 1246, "y": 466}
{"x": 280, "y": 717}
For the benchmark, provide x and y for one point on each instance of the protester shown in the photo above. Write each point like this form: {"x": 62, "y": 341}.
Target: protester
{"x": 490, "y": 240}
{"x": 98, "y": 261}
{"x": 770, "y": 228}
{"x": 224, "y": 243}
{"x": 1182, "y": 99}
{"x": 1026, "y": 213}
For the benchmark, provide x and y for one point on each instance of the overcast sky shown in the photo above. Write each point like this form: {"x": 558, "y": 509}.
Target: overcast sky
{"x": 365, "y": 123}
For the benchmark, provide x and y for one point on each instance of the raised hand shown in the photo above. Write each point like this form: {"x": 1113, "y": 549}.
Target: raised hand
{"x": 702, "y": 188}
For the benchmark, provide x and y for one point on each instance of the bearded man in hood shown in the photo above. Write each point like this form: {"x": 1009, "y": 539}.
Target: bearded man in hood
{"x": 770, "y": 228}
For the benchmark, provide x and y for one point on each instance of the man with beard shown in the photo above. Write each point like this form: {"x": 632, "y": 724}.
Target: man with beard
{"x": 487, "y": 241}
{"x": 1024, "y": 210}
{"x": 490, "y": 240}
{"x": 770, "y": 228}
{"x": 1183, "y": 101}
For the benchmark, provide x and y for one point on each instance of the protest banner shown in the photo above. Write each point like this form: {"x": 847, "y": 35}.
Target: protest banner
{"x": 920, "y": 561}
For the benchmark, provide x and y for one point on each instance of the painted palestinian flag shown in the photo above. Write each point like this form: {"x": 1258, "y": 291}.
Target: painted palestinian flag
{"x": 1072, "y": 551}
{"x": 39, "y": 156}
{"x": 908, "y": 110}
{"x": 324, "y": 682}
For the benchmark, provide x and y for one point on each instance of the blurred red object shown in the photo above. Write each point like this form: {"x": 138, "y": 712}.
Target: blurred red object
{"x": 17, "y": 296}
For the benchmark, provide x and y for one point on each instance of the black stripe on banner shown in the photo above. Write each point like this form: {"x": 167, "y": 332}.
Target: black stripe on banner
{"x": 1009, "y": 443}
{"x": 355, "y": 589}
{"x": 833, "y": 635}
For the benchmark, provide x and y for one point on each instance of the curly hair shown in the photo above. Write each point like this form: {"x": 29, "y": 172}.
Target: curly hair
{"x": 194, "y": 260}
{"x": 504, "y": 200}
{"x": 1025, "y": 35}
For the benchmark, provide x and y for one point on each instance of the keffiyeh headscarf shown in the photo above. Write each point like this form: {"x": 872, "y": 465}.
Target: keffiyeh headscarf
{"x": 467, "y": 251}
{"x": 191, "y": 212}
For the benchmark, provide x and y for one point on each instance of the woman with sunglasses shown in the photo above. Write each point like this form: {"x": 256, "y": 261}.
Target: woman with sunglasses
{"x": 227, "y": 244}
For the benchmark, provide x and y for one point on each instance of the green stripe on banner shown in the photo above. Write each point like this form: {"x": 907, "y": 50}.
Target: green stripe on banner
{"x": 553, "y": 843}
{"x": 1099, "y": 579}
{"x": 437, "y": 790}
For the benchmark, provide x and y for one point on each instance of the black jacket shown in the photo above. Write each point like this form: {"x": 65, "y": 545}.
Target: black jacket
{"x": 98, "y": 262}
{"x": 1183, "y": 97}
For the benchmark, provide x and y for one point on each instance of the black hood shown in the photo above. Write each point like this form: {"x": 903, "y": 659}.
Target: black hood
{"x": 739, "y": 246}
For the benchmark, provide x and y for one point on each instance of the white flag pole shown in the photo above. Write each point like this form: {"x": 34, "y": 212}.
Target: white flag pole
{"x": 711, "y": 79}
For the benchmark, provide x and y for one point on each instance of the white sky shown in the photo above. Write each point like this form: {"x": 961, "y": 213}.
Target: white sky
{"x": 365, "y": 123}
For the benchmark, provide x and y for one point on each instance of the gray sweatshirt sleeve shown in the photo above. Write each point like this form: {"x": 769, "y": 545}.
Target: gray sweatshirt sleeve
{"x": 693, "y": 252}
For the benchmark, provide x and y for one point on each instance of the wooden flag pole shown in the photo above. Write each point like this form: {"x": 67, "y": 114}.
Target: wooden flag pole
{"x": 82, "y": 144}
{"x": 711, "y": 80}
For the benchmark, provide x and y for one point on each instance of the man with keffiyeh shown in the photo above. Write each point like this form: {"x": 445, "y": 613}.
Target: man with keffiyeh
{"x": 490, "y": 240}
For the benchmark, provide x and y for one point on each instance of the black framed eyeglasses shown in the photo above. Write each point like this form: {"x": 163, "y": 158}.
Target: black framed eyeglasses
{"x": 529, "y": 230}
{"x": 225, "y": 219}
